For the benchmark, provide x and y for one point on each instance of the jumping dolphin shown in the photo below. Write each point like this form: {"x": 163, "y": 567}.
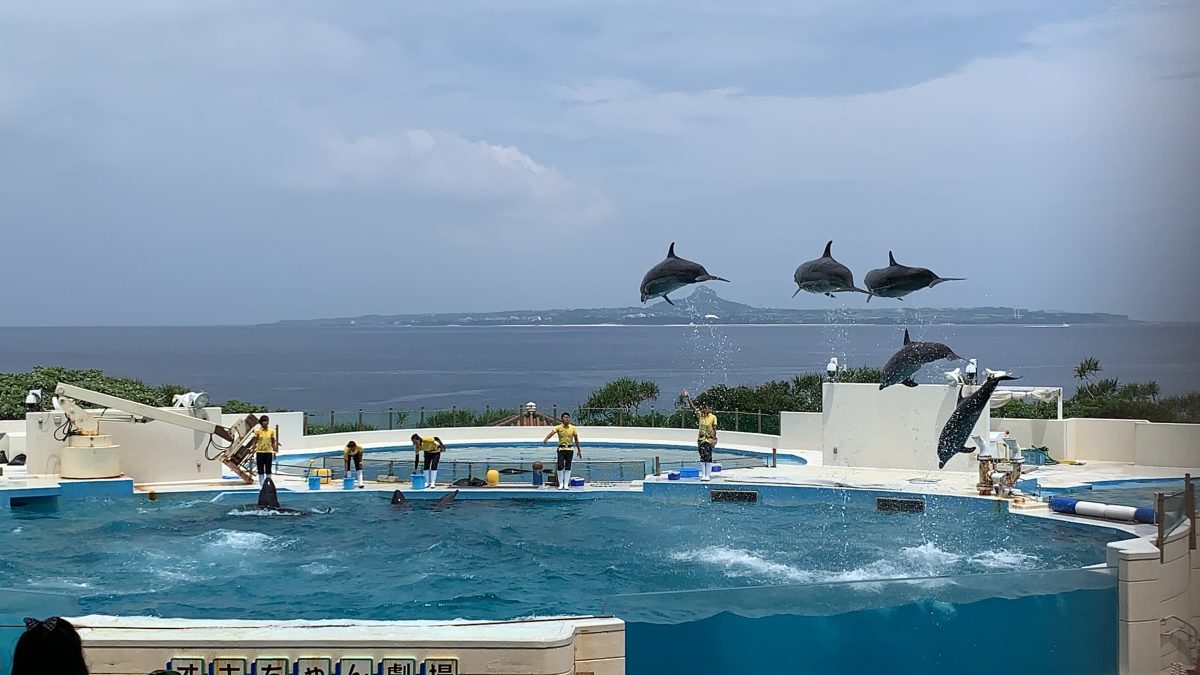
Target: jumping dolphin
{"x": 897, "y": 281}
{"x": 398, "y": 499}
{"x": 958, "y": 428}
{"x": 906, "y": 362}
{"x": 268, "y": 503}
{"x": 672, "y": 274}
{"x": 825, "y": 275}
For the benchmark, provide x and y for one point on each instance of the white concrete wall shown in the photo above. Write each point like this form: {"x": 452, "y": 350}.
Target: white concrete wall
{"x": 1154, "y": 585}
{"x": 12, "y": 440}
{"x": 893, "y": 428}
{"x": 800, "y": 431}
{"x": 152, "y": 452}
{"x": 1103, "y": 440}
{"x": 139, "y": 645}
{"x": 1167, "y": 444}
{"x": 1051, "y": 434}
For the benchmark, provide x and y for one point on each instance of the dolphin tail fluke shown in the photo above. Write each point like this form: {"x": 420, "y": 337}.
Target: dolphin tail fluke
{"x": 709, "y": 277}
{"x": 939, "y": 280}
{"x": 943, "y": 458}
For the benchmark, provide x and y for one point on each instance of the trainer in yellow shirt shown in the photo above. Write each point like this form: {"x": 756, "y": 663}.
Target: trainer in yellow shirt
{"x": 432, "y": 446}
{"x": 266, "y": 445}
{"x": 567, "y": 436}
{"x": 353, "y": 452}
{"x": 706, "y": 422}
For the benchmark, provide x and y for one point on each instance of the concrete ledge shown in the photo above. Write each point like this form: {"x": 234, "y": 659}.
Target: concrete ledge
{"x": 119, "y": 645}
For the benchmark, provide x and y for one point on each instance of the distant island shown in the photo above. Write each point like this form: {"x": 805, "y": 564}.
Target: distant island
{"x": 705, "y": 306}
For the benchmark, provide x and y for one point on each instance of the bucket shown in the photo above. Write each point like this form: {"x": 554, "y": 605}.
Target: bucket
{"x": 348, "y": 483}
{"x": 418, "y": 481}
{"x": 314, "y": 482}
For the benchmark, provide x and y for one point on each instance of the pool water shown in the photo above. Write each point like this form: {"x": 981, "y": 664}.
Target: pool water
{"x": 494, "y": 559}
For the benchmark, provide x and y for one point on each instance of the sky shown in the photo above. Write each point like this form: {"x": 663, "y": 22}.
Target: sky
{"x": 219, "y": 162}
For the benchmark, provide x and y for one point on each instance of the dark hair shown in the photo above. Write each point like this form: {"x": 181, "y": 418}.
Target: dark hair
{"x": 416, "y": 437}
{"x": 352, "y": 444}
{"x": 264, "y": 418}
{"x": 50, "y": 646}
{"x": 566, "y": 414}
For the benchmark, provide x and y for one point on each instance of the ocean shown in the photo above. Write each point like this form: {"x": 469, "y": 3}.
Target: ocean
{"x": 319, "y": 369}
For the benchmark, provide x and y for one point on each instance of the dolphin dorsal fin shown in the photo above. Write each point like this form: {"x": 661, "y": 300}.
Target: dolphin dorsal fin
{"x": 671, "y": 251}
{"x": 906, "y": 338}
{"x": 827, "y": 247}
{"x": 891, "y": 258}
{"x": 267, "y": 496}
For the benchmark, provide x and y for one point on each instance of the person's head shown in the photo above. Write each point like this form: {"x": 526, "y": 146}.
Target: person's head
{"x": 50, "y": 646}
{"x": 704, "y": 408}
{"x": 416, "y": 438}
{"x": 566, "y": 418}
{"x": 351, "y": 445}
{"x": 264, "y": 421}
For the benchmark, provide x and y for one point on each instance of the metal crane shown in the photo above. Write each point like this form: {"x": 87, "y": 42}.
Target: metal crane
{"x": 84, "y": 431}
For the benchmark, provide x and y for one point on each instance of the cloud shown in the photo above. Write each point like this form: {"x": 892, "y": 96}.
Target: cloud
{"x": 445, "y": 165}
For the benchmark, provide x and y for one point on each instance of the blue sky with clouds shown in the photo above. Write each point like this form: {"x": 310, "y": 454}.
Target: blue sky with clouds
{"x": 171, "y": 159}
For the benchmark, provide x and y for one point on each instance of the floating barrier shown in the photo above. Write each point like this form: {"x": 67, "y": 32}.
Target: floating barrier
{"x": 493, "y": 478}
{"x": 1128, "y": 514}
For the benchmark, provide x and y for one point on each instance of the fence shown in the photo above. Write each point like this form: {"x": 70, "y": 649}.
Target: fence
{"x": 515, "y": 471}
{"x": 1172, "y": 508}
{"x": 422, "y": 418}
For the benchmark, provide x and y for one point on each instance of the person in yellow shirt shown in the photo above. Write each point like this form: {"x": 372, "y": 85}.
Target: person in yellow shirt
{"x": 266, "y": 446}
{"x": 432, "y": 446}
{"x": 354, "y": 452}
{"x": 567, "y": 436}
{"x": 706, "y": 422}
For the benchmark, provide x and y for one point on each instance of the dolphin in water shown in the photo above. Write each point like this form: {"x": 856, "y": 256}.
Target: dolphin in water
{"x": 399, "y": 500}
{"x": 268, "y": 504}
{"x": 672, "y": 274}
{"x": 905, "y": 363}
{"x": 897, "y": 281}
{"x": 953, "y": 438}
{"x": 825, "y": 275}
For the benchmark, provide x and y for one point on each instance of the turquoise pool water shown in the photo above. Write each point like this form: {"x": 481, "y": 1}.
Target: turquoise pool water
{"x": 494, "y": 559}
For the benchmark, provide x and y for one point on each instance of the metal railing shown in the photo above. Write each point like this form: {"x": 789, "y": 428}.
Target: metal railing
{"x": 453, "y": 470}
{"x": 1172, "y": 509}
{"x": 432, "y": 418}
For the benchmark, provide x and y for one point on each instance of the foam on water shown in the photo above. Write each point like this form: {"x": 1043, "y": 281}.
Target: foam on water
{"x": 266, "y": 513}
{"x": 926, "y": 560}
{"x": 241, "y": 540}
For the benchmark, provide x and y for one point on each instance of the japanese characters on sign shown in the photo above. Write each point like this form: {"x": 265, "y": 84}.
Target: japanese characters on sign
{"x": 273, "y": 665}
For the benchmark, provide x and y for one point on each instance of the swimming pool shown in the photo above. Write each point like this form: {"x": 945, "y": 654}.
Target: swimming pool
{"x": 810, "y": 573}
{"x": 494, "y": 559}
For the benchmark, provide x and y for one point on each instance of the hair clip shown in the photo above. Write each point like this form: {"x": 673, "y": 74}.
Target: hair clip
{"x": 49, "y": 624}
